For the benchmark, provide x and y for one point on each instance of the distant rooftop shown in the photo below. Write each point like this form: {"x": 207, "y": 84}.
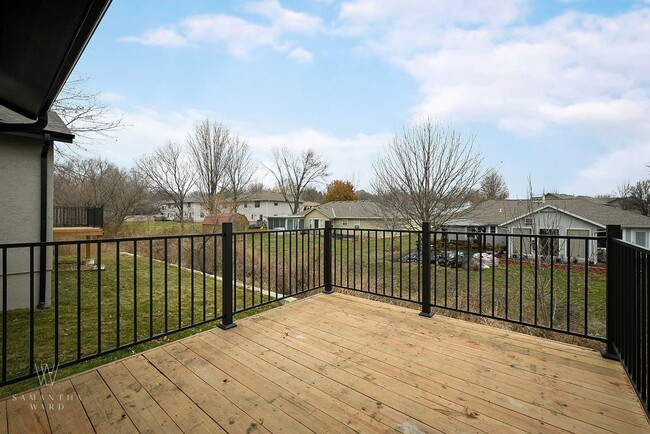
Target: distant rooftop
{"x": 349, "y": 209}
{"x": 498, "y": 212}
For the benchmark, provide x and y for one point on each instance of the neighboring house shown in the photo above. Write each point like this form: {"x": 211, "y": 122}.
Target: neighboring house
{"x": 573, "y": 216}
{"x": 288, "y": 222}
{"x": 351, "y": 214}
{"x": 193, "y": 209}
{"x": 259, "y": 206}
{"x": 23, "y": 156}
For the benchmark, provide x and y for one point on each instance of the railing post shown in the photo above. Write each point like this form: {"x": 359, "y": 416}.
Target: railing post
{"x": 226, "y": 281}
{"x": 327, "y": 260}
{"x": 425, "y": 246}
{"x": 613, "y": 232}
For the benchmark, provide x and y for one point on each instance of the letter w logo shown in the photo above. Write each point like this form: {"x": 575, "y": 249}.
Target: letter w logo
{"x": 46, "y": 375}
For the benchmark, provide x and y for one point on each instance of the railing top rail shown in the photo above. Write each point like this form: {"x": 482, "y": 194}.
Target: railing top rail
{"x": 629, "y": 245}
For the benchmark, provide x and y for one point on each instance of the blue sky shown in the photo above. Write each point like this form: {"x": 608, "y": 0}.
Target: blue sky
{"x": 557, "y": 90}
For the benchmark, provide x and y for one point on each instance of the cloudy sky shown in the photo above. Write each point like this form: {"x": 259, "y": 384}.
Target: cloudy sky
{"x": 558, "y": 90}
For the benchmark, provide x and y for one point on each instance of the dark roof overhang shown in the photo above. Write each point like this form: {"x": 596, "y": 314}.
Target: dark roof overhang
{"x": 40, "y": 43}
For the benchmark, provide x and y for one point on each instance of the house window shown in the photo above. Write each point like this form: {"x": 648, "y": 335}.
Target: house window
{"x": 493, "y": 229}
{"x": 640, "y": 238}
{"x": 275, "y": 204}
{"x": 245, "y": 205}
{"x": 316, "y": 223}
{"x": 357, "y": 224}
{"x": 528, "y": 221}
{"x": 344, "y": 222}
{"x": 257, "y": 204}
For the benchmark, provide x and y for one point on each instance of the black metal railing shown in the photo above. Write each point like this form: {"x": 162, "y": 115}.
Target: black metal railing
{"x": 77, "y": 216}
{"x": 134, "y": 290}
{"x": 628, "y": 311}
{"x": 549, "y": 282}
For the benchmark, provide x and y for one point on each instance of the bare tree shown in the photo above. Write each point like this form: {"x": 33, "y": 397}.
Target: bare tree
{"x": 222, "y": 162}
{"x": 239, "y": 170}
{"x": 295, "y": 172}
{"x": 98, "y": 182}
{"x": 255, "y": 187}
{"x": 427, "y": 173}
{"x": 209, "y": 148}
{"x": 169, "y": 174}
{"x": 493, "y": 187}
{"x": 637, "y": 195}
{"x": 312, "y": 194}
{"x": 86, "y": 114}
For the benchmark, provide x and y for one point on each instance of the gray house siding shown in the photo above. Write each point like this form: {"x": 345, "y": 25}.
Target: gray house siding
{"x": 20, "y": 185}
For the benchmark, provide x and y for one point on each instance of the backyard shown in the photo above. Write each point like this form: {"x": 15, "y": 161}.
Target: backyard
{"x": 142, "y": 293}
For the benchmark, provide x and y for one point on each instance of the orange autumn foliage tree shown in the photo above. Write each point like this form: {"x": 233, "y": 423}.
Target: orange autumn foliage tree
{"x": 339, "y": 190}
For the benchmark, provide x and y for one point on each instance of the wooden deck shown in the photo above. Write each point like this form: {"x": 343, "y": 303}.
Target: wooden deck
{"x": 335, "y": 363}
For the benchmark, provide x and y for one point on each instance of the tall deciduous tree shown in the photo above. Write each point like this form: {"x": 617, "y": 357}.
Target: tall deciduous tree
{"x": 169, "y": 174}
{"x": 493, "y": 187}
{"x": 294, "y": 172}
{"x": 338, "y": 190}
{"x": 208, "y": 146}
{"x": 239, "y": 170}
{"x": 222, "y": 162}
{"x": 426, "y": 173}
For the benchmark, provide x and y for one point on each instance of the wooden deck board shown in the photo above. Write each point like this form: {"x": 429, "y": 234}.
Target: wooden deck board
{"x": 336, "y": 363}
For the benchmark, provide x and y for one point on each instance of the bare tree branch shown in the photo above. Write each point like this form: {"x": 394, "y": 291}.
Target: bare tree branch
{"x": 427, "y": 173}
{"x": 88, "y": 116}
{"x": 209, "y": 143}
{"x": 493, "y": 187}
{"x": 239, "y": 170}
{"x": 169, "y": 174}
{"x": 222, "y": 162}
{"x": 295, "y": 172}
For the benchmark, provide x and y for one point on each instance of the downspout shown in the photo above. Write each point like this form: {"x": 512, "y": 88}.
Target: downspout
{"x": 47, "y": 145}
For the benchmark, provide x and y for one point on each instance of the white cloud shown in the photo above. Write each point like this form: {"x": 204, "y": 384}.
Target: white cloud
{"x": 240, "y": 37}
{"x": 585, "y": 74}
{"x": 301, "y": 54}
{"x": 609, "y": 170}
{"x": 348, "y": 156}
{"x": 285, "y": 19}
{"x": 161, "y": 36}
{"x": 147, "y": 129}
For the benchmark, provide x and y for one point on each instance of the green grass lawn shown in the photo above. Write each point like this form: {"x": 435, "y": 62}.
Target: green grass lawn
{"x": 81, "y": 299}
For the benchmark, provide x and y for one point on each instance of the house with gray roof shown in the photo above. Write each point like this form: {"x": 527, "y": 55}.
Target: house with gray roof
{"x": 571, "y": 216}
{"x": 351, "y": 214}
